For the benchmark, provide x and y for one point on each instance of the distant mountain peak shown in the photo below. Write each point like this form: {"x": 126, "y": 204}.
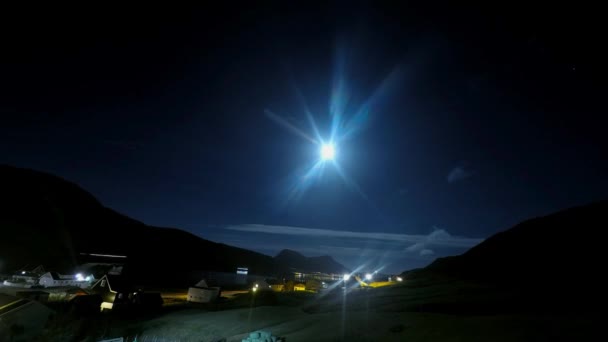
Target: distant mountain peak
{"x": 295, "y": 260}
{"x": 288, "y": 253}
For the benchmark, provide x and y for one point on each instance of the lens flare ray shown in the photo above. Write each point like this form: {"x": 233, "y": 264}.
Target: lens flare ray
{"x": 341, "y": 128}
{"x": 289, "y": 126}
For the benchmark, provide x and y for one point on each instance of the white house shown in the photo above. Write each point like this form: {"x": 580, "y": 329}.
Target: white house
{"x": 201, "y": 293}
{"x": 54, "y": 279}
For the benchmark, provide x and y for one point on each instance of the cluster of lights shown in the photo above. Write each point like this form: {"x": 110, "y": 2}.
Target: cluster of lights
{"x": 256, "y": 287}
{"x": 80, "y": 277}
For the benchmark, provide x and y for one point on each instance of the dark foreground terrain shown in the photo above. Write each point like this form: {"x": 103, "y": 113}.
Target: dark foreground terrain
{"x": 413, "y": 311}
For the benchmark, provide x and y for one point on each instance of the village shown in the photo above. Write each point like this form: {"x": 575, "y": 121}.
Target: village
{"x": 33, "y": 294}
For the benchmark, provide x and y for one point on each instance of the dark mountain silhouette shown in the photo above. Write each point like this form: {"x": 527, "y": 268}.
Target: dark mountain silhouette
{"x": 551, "y": 247}
{"x": 47, "y": 220}
{"x": 551, "y": 261}
{"x": 301, "y": 263}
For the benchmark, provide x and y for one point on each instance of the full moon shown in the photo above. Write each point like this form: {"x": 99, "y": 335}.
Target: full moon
{"x": 328, "y": 152}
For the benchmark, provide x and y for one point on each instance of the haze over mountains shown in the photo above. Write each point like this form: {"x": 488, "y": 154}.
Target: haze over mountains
{"x": 47, "y": 220}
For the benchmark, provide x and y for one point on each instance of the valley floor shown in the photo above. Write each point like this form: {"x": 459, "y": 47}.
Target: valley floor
{"x": 374, "y": 315}
{"x": 295, "y": 325}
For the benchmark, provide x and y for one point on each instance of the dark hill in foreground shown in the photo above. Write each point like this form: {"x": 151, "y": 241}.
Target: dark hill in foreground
{"x": 553, "y": 262}
{"x": 47, "y": 220}
{"x": 561, "y": 246}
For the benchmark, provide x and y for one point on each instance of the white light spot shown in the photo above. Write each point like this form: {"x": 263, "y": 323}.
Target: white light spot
{"x": 328, "y": 152}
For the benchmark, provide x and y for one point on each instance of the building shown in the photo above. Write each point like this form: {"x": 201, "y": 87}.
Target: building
{"x": 118, "y": 293}
{"x": 114, "y": 290}
{"x": 261, "y": 285}
{"x": 223, "y": 279}
{"x": 201, "y": 293}
{"x": 276, "y": 285}
{"x": 27, "y": 276}
{"x": 54, "y": 279}
{"x": 304, "y": 276}
{"x": 241, "y": 275}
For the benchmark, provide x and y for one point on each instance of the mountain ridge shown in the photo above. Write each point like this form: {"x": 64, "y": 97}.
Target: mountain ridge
{"x": 539, "y": 250}
{"x": 302, "y": 263}
{"x": 46, "y": 219}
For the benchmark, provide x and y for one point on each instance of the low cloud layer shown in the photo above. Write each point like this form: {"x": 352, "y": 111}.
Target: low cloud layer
{"x": 391, "y": 252}
{"x": 425, "y": 252}
{"x": 438, "y": 237}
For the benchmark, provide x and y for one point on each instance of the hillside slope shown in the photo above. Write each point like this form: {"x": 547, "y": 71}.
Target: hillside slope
{"x": 552, "y": 263}
{"x": 45, "y": 219}
{"x": 557, "y": 248}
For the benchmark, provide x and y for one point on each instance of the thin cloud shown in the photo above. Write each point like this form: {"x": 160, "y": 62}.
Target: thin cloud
{"x": 439, "y": 237}
{"x": 459, "y": 173}
{"x": 418, "y": 246}
{"x": 426, "y": 252}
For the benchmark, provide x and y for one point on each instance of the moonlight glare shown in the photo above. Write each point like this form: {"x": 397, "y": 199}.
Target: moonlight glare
{"x": 328, "y": 152}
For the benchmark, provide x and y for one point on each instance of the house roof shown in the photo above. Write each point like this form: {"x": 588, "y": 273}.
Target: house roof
{"x": 117, "y": 283}
{"x": 57, "y": 276}
{"x": 26, "y": 274}
{"x": 39, "y": 269}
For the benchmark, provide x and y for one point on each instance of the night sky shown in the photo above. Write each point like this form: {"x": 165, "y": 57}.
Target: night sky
{"x": 451, "y": 124}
